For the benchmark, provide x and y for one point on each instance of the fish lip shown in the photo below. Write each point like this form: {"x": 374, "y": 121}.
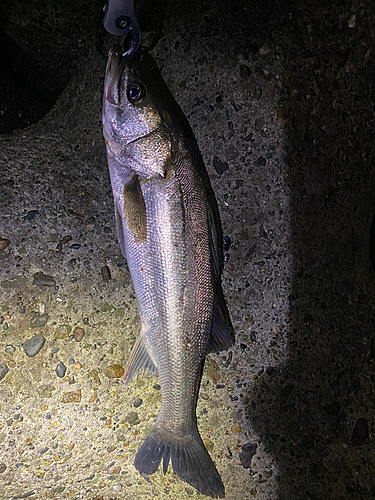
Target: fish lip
{"x": 114, "y": 69}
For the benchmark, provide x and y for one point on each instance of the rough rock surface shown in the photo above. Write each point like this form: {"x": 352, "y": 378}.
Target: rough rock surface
{"x": 280, "y": 96}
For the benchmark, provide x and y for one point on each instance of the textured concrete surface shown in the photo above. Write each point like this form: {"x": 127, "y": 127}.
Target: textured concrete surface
{"x": 281, "y": 99}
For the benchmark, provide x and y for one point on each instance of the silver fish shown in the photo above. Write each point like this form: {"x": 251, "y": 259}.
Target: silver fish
{"x": 168, "y": 233}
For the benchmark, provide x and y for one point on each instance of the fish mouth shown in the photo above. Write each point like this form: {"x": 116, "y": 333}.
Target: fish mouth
{"x": 113, "y": 74}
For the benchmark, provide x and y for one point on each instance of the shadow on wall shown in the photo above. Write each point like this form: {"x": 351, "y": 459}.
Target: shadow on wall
{"x": 315, "y": 414}
{"x": 42, "y": 44}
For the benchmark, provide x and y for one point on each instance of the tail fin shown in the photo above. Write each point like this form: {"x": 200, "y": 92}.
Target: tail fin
{"x": 190, "y": 461}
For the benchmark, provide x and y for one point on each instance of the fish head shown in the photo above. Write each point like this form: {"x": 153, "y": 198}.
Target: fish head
{"x": 140, "y": 133}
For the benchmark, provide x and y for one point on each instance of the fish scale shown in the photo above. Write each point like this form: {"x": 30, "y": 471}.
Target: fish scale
{"x": 165, "y": 227}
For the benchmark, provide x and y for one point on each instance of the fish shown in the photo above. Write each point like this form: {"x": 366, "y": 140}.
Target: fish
{"x": 168, "y": 231}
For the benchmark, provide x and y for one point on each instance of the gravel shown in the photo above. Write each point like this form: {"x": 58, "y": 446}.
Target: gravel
{"x": 33, "y": 345}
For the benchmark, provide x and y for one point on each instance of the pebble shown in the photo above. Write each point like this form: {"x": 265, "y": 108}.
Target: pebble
{"x": 41, "y": 279}
{"x": 38, "y": 320}
{"x": 46, "y": 391}
{"x": 75, "y": 246}
{"x": 78, "y": 333}
{"x": 114, "y": 470}
{"x": 2, "y": 468}
{"x": 208, "y": 444}
{"x": 71, "y": 397}
{"x": 66, "y": 239}
{"x": 95, "y": 376}
{"x": 156, "y": 387}
{"x": 360, "y": 432}
{"x": 247, "y": 453}
{"x": 265, "y": 49}
{"x": 10, "y": 349}
{"x": 60, "y": 370}
{"x": 235, "y": 106}
{"x": 226, "y": 243}
{"x": 236, "y": 428}
{"x": 259, "y": 122}
{"x": 220, "y": 166}
{"x": 245, "y": 71}
{"x": 31, "y": 214}
{"x": 253, "y": 336}
{"x": 3, "y": 371}
{"x": 4, "y": 243}
{"x": 25, "y": 495}
{"x": 114, "y": 371}
{"x": 71, "y": 361}
{"x": 229, "y": 359}
{"x": 270, "y": 370}
{"x": 260, "y": 161}
{"x": 132, "y": 418}
{"x": 63, "y": 332}
{"x": 33, "y": 345}
{"x": 137, "y": 403}
{"x": 106, "y": 273}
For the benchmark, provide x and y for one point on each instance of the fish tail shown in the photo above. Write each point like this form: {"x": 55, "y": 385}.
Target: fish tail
{"x": 190, "y": 461}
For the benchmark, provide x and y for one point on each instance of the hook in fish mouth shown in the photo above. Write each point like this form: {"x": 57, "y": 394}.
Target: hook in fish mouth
{"x": 120, "y": 19}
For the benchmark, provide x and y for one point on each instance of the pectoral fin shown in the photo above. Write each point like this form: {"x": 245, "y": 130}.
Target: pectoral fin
{"x": 135, "y": 210}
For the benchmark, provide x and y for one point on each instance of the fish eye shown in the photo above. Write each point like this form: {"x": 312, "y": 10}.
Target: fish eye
{"x": 135, "y": 93}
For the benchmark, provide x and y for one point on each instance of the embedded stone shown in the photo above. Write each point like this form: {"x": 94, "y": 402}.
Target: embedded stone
{"x": 33, "y": 345}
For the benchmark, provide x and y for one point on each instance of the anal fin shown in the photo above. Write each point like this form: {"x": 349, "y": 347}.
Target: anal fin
{"x": 139, "y": 359}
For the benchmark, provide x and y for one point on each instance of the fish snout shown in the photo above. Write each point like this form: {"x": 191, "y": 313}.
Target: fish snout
{"x": 112, "y": 77}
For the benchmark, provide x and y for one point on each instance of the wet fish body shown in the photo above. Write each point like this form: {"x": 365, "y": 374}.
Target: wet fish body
{"x": 167, "y": 232}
